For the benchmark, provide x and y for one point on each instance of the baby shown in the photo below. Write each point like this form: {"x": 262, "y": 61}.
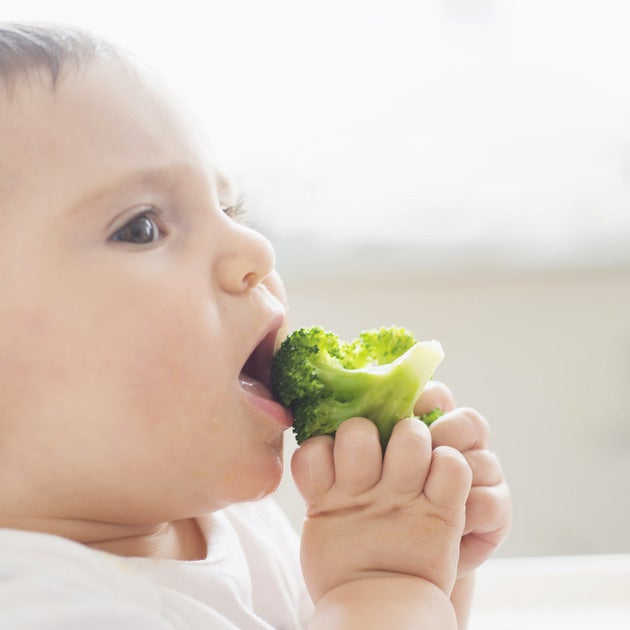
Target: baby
{"x": 138, "y": 317}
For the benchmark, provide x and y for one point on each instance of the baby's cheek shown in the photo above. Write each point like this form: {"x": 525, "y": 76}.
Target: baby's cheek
{"x": 46, "y": 347}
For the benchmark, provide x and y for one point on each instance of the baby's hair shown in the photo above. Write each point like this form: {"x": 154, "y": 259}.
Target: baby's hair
{"x": 28, "y": 48}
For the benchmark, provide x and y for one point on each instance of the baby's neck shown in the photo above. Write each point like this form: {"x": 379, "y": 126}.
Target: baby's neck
{"x": 178, "y": 540}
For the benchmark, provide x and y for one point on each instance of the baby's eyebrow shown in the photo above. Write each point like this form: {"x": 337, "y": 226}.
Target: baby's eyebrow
{"x": 164, "y": 176}
{"x": 225, "y": 185}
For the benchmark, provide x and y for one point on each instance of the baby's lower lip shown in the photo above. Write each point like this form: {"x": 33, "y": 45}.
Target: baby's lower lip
{"x": 260, "y": 396}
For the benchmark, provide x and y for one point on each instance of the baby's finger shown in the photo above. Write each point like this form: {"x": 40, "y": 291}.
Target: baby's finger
{"x": 357, "y": 455}
{"x": 313, "y": 467}
{"x": 463, "y": 429}
{"x": 485, "y": 467}
{"x": 407, "y": 457}
{"x": 449, "y": 479}
{"x": 434, "y": 395}
{"x": 488, "y": 513}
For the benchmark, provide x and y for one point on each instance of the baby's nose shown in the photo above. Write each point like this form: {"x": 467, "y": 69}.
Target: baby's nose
{"x": 245, "y": 260}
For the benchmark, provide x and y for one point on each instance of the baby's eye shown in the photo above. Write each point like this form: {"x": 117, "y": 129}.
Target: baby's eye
{"x": 140, "y": 230}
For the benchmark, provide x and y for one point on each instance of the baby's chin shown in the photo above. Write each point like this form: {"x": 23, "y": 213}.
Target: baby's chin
{"x": 269, "y": 482}
{"x": 249, "y": 483}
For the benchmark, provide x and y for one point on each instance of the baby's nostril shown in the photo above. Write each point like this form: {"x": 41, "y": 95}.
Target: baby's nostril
{"x": 250, "y": 280}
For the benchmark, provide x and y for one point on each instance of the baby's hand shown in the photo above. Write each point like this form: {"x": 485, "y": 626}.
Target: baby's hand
{"x": 489, "y": 507}
{"x": 369, "y": 515}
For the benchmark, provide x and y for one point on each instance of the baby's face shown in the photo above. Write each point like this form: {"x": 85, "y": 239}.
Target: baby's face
{"x": 129, "y": 304}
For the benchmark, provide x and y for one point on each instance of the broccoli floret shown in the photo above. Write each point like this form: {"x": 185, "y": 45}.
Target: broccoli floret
{"x": 379, "y": 376}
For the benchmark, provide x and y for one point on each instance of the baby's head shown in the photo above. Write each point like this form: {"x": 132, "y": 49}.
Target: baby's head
{"x": 137, "y": 315}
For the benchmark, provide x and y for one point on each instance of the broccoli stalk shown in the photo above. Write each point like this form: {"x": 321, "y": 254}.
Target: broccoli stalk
{"x": 379, "y": 376}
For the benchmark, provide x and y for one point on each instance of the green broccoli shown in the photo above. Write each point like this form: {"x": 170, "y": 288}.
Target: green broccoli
{"x": 379, "y": 375}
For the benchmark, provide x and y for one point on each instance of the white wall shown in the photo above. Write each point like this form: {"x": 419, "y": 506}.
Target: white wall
{"x": 546, "y": 357}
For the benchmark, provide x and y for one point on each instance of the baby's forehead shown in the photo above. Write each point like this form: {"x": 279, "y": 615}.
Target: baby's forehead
{"x": 100, "y": 125}
{"x": 73, "y": 99}
{"x": 33, "y": 88}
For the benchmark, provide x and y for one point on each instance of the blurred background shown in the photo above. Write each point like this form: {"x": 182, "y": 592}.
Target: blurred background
{"x": 458, "y": 167}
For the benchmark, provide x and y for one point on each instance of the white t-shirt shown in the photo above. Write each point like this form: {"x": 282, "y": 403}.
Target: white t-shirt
{"x": 250, "y": 580}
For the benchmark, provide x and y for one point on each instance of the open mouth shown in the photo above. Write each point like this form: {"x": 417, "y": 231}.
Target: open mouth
{"x": 256, "y": 373}
{"x": 255, "y": 379}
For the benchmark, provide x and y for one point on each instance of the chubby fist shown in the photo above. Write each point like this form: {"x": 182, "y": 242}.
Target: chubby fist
{"x": 370, "y": 515}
